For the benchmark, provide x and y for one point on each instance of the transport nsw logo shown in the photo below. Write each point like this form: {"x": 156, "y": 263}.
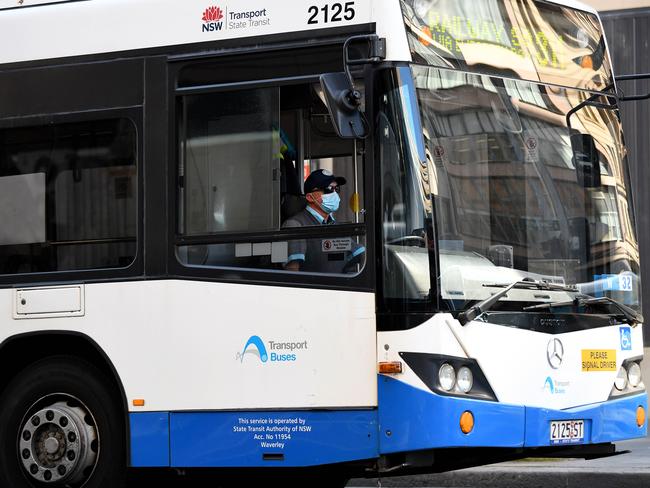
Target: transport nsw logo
{"x": 212, "y": 19}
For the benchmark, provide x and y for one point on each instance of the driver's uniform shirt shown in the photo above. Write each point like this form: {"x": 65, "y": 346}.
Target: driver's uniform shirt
{"x": 316, "y": 255}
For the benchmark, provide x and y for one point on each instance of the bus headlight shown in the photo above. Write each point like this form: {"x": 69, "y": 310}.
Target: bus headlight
{"x": 465, "y": 379}
{"x": 634, "y": 375}
{"x": 447, "y": 377}
{"x": 453, "y": 376}
{"x": 621, "y": 379}
{"x": 629, "y": 380}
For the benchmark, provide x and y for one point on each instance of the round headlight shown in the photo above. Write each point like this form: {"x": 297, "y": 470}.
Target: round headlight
{"x": 465, "y": 379}
{"x": 634, "y": 375}
{"x": 621, "y": 379}
{"x": 447, "y": 377}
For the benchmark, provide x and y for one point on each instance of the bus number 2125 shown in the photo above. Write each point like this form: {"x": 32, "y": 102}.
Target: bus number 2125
{"x": 335, "y": 12}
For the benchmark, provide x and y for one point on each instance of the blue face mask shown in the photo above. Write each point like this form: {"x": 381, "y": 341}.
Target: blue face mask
{"x": 331, "y": 202}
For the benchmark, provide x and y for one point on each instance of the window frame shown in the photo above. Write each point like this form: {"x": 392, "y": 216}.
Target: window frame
{"x": 134, "y": 115}
{"x": 363, "y": 281}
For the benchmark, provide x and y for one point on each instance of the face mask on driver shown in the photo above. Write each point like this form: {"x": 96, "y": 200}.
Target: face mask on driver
{"x": 331, "y": 202}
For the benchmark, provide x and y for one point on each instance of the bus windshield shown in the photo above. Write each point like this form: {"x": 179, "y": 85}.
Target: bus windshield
{"x": 510, "y": 198}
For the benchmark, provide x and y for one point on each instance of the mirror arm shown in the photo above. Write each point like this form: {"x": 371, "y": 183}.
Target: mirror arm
{"x": 591, "y": 103}
{"x": 640, "y": 76}
{"x": 376, "y": 55}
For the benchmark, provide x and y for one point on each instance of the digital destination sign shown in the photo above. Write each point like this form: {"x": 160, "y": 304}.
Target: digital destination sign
{"x": 454, "y": 31}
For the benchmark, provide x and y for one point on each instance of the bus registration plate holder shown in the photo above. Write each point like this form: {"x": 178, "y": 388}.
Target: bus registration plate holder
{"x": 567, "y": 431}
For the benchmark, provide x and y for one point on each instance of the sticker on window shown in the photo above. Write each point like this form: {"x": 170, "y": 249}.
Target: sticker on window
{"x": 611, "y": 282}
{"x": 626, "y": 338}
{"x": 598, "y": 360}
{"x": 337, "y": 245}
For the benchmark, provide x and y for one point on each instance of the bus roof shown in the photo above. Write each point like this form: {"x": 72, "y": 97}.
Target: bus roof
{"x": 74, "y": 28}
{"x": 50, "y": 29}
{"x": 12, "y": 4}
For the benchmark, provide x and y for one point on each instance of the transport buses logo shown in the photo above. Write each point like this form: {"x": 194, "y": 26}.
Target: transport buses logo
{"x": 281, "y": 352}
{"x": 255, "y": 346}
{"x": 212, "y": 19}
{"x": 555, "y": 387}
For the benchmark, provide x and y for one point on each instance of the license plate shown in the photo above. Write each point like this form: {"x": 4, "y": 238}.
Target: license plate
{"x": 567, "y": 431}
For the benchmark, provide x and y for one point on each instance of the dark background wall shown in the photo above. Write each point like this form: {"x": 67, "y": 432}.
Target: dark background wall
{"x": 628, "y": 36}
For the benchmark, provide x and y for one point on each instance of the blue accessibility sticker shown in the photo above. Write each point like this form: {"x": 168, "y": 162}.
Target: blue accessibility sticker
{"x": 626, "y": 338}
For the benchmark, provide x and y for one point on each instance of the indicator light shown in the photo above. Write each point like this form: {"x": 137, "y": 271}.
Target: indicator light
{"x": 467, "y": 422}
{"x": 390, "y": 367}
{"x": 640, "y": 416}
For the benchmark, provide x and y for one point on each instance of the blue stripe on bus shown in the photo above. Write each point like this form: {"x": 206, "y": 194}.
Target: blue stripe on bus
{"x": 610, "y": 421}
{"x": 413, "y": 419}
{"x": 408, "y": 418}
{"x": 149, "y": 439}
{"x": 259, "y": 439}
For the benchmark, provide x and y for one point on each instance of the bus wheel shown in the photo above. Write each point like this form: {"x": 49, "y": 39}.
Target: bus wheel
{"x": 61, "y": 425}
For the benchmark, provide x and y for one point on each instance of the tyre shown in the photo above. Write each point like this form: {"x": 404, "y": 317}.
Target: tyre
{"x": 61, "y": 425}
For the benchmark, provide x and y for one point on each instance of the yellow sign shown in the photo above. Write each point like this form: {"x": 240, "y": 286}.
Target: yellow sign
{"x": 599, "y": 360}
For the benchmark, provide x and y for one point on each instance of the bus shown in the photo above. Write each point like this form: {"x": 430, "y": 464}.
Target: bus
{"x": 167, "y": 305}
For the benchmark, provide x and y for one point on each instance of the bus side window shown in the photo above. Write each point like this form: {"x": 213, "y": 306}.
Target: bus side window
{"x": 229, "y": 176}
{"x": 244, "y": 157}
{"x": 68, "y": 196}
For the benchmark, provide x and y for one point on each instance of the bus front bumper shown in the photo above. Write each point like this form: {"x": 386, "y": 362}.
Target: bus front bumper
{"x": 413, "y": 419}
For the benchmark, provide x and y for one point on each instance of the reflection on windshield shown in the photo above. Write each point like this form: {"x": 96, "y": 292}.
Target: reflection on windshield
{"x": 525, "y": 39}
{"x": 508, "y": 198}
{"x": 405, "y": 196}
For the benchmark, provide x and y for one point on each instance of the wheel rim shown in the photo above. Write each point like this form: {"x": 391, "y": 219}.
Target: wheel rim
{"x": 58, "y": 441}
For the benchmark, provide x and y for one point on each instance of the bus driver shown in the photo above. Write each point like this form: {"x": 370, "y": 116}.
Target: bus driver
{"x": 322, "y": 190}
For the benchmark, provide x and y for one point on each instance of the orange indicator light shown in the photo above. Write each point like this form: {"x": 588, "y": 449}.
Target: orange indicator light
{"x": 390, "y": 368}
{"x": 467, "y": 422}
{"x": 138, "y": 402}
{"x": 640, "y": 416}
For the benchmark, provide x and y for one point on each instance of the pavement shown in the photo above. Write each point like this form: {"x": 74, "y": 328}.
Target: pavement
{"x": 630, "y": 469}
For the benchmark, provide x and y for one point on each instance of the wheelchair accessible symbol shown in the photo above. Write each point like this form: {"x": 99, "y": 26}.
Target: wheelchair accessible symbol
{"x": 626, "y": 338}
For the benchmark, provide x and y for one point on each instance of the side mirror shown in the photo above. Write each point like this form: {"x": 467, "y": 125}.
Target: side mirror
{"x": 344, "y": 106}
{"x": 586, "y": 160}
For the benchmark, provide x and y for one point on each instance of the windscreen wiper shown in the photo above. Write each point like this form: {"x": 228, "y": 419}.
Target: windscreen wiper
{"x": 485, "y": 305}
{"x": 631, "y": 316}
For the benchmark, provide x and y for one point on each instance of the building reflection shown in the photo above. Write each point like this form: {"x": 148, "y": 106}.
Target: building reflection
{"x": 503, "y": 173}
{"x": 523, "y": 39}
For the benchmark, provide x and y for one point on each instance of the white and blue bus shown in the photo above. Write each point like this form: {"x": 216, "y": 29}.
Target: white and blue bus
{"x": 476, "y": 298}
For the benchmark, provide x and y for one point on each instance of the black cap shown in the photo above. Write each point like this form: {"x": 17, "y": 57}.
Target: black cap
{"x": 321, "y": 179}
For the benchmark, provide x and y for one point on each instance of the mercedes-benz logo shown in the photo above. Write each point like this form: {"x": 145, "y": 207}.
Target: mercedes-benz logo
{"x": 555, "y": 353}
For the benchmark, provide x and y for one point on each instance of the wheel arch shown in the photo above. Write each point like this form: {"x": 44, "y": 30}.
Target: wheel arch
{"x": 19, "y": 351}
